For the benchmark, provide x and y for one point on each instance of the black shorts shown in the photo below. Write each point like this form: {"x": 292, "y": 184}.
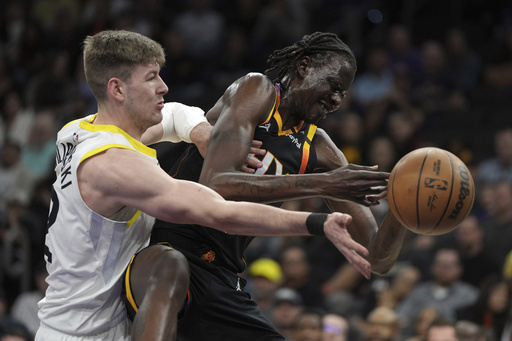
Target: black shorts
{"x": 218, "y": 308}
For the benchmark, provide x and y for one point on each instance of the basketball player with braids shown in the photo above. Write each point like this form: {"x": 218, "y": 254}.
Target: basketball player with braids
{"x": 301, "y": 161}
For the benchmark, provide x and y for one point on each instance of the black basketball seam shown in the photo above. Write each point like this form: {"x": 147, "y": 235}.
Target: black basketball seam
{"x": 450, "y": 196}
{"x": 418, "y": 190}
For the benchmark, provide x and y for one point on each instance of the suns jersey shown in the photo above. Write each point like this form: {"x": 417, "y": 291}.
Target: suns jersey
{"x": 86, "y": 253}
{"x": 288, "y": 152}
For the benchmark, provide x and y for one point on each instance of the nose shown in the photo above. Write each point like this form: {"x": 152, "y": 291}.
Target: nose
{"x": 335, "y": 99}
{"x": 162, "y": 88}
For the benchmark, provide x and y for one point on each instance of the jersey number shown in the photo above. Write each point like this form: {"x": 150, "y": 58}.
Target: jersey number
{"x": 267, "y": 162}
{"x": 51, "y": 220}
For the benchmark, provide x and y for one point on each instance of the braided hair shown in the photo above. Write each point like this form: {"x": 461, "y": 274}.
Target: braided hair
{"x": 319, "y": 46}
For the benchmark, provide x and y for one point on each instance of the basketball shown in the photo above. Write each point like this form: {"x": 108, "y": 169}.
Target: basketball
{"x": 430, "y": 191}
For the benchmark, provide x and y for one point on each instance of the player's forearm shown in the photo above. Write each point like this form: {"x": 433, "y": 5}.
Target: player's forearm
{"x": 244, "y": 218}
{"x": 265, "y": 188}
{"x": 386, "y": 244}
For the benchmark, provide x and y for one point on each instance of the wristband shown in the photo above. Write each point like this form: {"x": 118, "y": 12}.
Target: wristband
{"x": 315, "y": 223}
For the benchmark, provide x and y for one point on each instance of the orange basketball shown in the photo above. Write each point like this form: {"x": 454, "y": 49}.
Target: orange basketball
{"x": 430, "y": 191}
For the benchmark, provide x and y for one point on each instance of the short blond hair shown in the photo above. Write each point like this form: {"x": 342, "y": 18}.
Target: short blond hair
{"x": 115, "y": 53}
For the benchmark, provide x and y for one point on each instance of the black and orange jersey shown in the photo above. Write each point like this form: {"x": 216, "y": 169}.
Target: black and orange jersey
{"x": 288, "y": 152}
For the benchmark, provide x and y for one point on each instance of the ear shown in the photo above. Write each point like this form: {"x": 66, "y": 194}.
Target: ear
{"x": 116, "y": 89}
{"x": 302, "y": 66}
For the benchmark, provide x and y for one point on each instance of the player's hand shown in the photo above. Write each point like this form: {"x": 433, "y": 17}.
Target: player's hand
{"x": 201, "y": 134}
{"x": 360, "y": 184}
{"x": 252, "y": 163}
{"x": 335, "y": 228}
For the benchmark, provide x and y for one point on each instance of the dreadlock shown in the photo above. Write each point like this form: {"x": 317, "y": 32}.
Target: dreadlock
{"x": 319, "y": 46}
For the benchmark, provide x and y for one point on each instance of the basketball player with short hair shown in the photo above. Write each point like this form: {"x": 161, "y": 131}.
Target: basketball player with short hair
{"x": 301, "y": 161}
{"x": 110, "y": 188}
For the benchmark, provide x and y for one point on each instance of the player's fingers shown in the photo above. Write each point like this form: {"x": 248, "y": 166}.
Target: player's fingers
{"x": 256, "y": 143}
{"x": 253, "y": 163}
{"x": 248, "y": 170}
{"x": 361, "y": 264}
{"x": 255, "y": 148}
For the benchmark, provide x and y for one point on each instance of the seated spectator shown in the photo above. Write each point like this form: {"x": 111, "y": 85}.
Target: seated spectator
{"x": 335, "y": 328}
{"x": 264, "y": 278}
{"x": 424, "y": 319}
{"x": 308, "y": 326}
{"x": 25, "y": 306}
{"x": 382, "y": 324}
{"x": 445, "y": 291}
{"x": 498, "y": 167}
{"x": 469, "y": 331}
{"x": 498, "y": 230}
{"x": 287, "y": 306}
{"x": 441, "y": 330}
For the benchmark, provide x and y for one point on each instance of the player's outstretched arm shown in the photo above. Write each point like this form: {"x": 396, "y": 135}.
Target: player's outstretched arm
{"x": 385, "y": 242}
{"x": 120, "y": 177}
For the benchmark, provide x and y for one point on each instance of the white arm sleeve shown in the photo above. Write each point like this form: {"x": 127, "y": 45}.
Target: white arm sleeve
{"x": 178, "y": 120}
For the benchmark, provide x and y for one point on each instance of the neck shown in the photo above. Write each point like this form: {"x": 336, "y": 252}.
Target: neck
{"x": 107, "y": 116}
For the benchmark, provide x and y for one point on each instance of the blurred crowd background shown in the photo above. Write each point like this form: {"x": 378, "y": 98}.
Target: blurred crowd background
{"x": 430, "y": 73}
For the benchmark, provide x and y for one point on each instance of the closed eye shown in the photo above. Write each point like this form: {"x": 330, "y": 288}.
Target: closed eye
{"x": 337, "y": 89}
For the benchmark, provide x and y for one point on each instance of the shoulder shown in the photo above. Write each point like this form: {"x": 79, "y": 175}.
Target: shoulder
{"x": 254, "y": 83}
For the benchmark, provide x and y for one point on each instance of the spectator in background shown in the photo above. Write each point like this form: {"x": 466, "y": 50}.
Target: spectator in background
{"x": 265, "y": 276}
{"x": 15, "y": 180}
{"x": 382, "y": 152}
{"x": 286, "y": 308}
{"x": 308, "y": 326}
{"x": 500, "y": 166}
{"x": 463, "y": 63}
{"x": 498, "y": 230}
{"x": 441, "y": 330}
{"x": 202, "y": 28}
{"x": 424, "y": 319}
{"x": 7, "y": 82}
{"x": 15, "y": 119}
{"x": 382, "y": 325}
{"x": 403, "y": 132}
{"x": 350, "y": 136}
{"x": 469, "y": 331}
{"x": 375, "y": 83}
{"x": 38, "y": 156}
{"x": 469, "y": 239}
{"x": 402, "y": 284}
{"x": 25, "y": 308}
{"x": 491, "y": 309}
{"x": 445, "y": 292}
{"x": 402, "y": 54}
{"x": 335, "y": 328}
{"x": 279, "y": 23}
{"x": 296, "y": 269}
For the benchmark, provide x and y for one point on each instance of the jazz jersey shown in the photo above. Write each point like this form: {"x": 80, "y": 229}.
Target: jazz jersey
{"x": 87, "y": 253}
{"x": 288, "y": 152}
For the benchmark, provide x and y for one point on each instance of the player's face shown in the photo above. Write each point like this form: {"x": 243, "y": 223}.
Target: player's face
{"x": 145, "y": 95}
{"x": 323, "y": 88}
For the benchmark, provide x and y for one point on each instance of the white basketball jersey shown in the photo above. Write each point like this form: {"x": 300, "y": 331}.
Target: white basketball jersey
{"x": 87, "y": 253}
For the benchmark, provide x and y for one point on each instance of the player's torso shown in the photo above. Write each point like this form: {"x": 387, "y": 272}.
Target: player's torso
{"x": 288, "y": 152}
{"x": 86, "y": 253}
